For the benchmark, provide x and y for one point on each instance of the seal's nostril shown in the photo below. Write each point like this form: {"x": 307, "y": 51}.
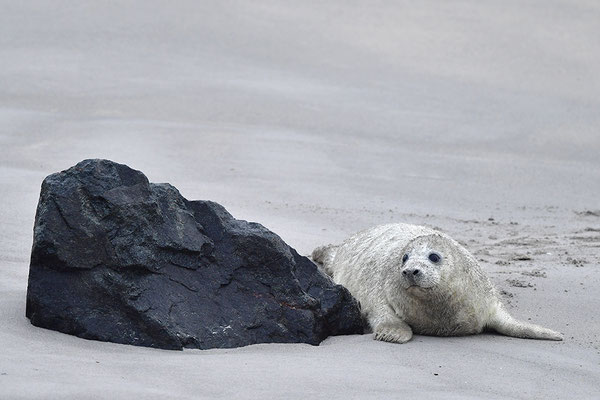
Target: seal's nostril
{"x": 404, "y": 272}
{"x": 416, "y": 272}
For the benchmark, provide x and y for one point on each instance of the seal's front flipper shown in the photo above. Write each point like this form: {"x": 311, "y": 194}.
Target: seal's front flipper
{"x": 502, "y": 322}
{"x": 395, "y": 332}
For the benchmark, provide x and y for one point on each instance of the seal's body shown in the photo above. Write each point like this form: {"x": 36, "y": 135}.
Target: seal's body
{"x": 410, "y": 278}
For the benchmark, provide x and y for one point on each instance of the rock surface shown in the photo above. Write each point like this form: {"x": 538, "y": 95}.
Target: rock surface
{"x": 116, "y": 258}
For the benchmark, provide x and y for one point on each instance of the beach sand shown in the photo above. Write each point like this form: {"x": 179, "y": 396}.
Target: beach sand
{"x": 317, "y": 120}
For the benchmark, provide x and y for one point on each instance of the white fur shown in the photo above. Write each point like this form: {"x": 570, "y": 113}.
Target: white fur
{"x": 449, "y": 298}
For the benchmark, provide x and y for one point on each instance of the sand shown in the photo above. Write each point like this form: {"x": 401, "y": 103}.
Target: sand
{"x": 318, "y": 119}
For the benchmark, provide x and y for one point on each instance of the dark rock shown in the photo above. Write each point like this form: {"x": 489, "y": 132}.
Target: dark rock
{"x": 119, "y": 259}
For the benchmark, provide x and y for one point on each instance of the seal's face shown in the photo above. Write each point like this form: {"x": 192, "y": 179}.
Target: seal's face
{"x": 423, "y": 262}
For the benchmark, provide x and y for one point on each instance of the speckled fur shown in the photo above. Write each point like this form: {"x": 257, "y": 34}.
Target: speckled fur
{"x": 450, "y": 298}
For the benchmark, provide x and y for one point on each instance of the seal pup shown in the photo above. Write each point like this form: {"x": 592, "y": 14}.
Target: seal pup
{"x": 410, "y": 278}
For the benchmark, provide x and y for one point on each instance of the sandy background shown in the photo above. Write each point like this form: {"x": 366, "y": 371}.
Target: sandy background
{"x": 480, "y": 118}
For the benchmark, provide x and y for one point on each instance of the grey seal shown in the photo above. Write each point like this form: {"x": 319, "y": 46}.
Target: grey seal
{"x": 411, "y": 278}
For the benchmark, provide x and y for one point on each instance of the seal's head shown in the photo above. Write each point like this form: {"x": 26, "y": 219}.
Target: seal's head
{"x": 425, "y": 261}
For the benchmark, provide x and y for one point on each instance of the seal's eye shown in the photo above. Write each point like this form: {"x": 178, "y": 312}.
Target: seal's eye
{"x": 434, "y": 258}
{"x": 404, "y": 258}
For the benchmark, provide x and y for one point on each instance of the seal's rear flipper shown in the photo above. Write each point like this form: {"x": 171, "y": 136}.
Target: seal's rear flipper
{"x": 502, "y": 322}
{"x": 323, "y": 256}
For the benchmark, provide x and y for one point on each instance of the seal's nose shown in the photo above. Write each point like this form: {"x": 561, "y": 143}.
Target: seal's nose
{"x": 411, "y": 271}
